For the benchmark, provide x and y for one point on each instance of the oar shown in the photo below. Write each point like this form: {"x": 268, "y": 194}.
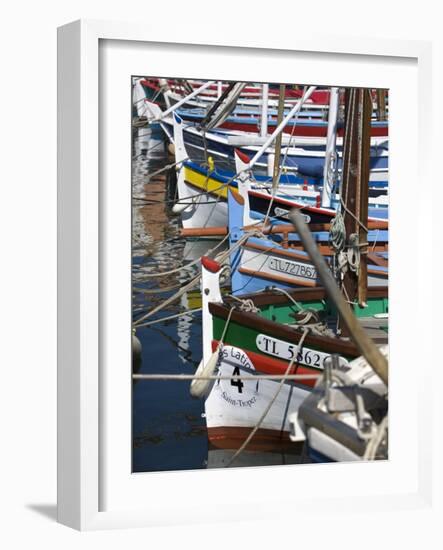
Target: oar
{"x": 364, "y": 343}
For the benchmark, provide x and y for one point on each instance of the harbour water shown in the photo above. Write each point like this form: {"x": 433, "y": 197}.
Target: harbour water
{"x": 169, "y": 430}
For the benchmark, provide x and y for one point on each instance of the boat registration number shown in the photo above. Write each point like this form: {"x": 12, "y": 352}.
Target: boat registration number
{"x": 297, "y": 269}
{"x": 284, "y": 350}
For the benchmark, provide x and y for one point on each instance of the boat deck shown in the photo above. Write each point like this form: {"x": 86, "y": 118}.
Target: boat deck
{"x": 376, "y": 328}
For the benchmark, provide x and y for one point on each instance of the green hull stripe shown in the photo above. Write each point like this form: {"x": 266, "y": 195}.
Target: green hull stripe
{"x": 244, "y": 337}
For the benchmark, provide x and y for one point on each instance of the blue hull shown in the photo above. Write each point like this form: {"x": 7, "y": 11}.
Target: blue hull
{"x": 304, "y": 165}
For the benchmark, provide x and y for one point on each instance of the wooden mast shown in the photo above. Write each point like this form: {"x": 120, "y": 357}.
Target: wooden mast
{"x": 381, "y": 104}
{"x": 355, "y": 185}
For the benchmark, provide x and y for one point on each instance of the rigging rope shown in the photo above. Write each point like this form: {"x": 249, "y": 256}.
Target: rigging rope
{"x": 190, "y": 264}
{"x": 376, "y": 440}
{"x": 193, "y": 281}
{"x": 170, "y": 317}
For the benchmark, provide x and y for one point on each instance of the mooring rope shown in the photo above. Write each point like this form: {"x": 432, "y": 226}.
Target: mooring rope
{"x": 154, "y": 290}
{"x": 169, "y": 300}
{"x": 187, "y": 266}
{"x": 166, "y": 167}
{"x": 216, "y": 377}
{"x": 291, "y": 298}
{"x": 170, "y": 317}
{"x": 191, "y": 283}
{"x": 376, "y": 439}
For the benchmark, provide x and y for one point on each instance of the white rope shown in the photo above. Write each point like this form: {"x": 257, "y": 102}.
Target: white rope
{"x": 282, "y": 291}
{"x": 353, "y": 253}
{"x": 376, "y": 439}
{"x": 165, "y": 168}
{"x": 170, "y": 317}
{"x": 187, "y": 266}
{"x": 192, "y": 282}
{"x": 337, "y": 232}
{"x": 168, "y": 301}
{"x": 233, "y": 377}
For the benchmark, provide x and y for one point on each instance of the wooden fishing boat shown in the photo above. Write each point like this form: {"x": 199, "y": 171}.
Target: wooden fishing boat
{"x": 279, "y": 258}
{"x": 302, "y": 161}
{"x": 202, "y": 200}
{"x": 306, "y": 125}
{"x": 202, "y": 194}
{"x": 276, "y": 332}
{"x": 251, "y": 122}
{"x": 251, "y": 95}
{"x": 260, "y": 335}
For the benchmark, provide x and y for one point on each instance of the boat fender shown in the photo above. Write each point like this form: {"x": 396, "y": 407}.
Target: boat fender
{"x": 136, "y": 352}
{"x": 201, "y": 388}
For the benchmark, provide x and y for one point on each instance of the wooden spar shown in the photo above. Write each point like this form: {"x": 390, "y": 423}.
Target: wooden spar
{"x": 381, "y": 104}
{"x": 185, "y": 99}
{"x": 277, "y": 149}
{"x": 355, "y": 187}
{"x": 363, "y": 342}
{"x": 284, "y": 229}
{"x": 220, "y": 231}
{"x": 330, "y": 167}
{"x": 264, "y": 111}
{"x": 217, "y": 104}
{"x": 363, "y": 190}
{"x": 279, "y": 127}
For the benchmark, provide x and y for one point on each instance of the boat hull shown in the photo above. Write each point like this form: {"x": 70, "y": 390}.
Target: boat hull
{"x": 207, "y": 194}
{"x": 233, "y": 407}
{"x": 305, "y": 162}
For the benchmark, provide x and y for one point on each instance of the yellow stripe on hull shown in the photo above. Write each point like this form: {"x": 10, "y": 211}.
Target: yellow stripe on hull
{"x": 206, "y": 183}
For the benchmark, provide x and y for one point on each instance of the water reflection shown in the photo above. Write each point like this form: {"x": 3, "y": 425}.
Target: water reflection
{"x": 169, "y": 431}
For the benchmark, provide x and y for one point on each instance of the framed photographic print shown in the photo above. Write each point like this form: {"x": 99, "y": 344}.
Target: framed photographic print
{"x": 232, "y": 267}
{"x": 214, "y": 248}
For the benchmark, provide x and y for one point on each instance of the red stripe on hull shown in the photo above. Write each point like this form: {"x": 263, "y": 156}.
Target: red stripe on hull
{"x": 270, "y": 365}
{"x": 300, "y": 129}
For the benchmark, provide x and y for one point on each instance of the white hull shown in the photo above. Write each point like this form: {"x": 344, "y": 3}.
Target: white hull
{"x": 203, "y": 210}
{"x": 329, "y": 447}
{"x": 206, "y": 211}
{"x": 230, "y": 405}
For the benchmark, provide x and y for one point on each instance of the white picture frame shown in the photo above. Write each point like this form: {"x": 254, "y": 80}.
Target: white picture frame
{"x": 84, "y": 210}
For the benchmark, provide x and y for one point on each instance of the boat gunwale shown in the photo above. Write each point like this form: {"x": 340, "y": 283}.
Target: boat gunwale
{"x": 285, "y": 332}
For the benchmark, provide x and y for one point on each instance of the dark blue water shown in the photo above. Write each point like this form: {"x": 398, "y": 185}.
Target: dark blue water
{"x": 169, "y": 432}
